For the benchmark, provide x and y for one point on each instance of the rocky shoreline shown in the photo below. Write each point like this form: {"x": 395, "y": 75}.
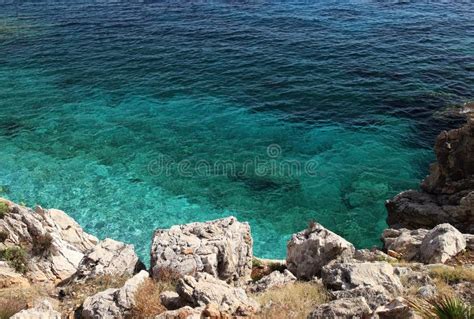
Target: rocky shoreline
{"x": 51, "y": 268}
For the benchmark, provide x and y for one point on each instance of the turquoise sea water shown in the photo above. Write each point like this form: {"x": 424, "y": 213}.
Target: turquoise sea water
{"x": 133, "y": 116}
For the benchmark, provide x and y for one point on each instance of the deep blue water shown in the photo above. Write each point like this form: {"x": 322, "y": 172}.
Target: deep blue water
{"x": 132, "y": 116}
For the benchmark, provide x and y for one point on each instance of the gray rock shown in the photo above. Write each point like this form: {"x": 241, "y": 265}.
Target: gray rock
{"x": 345, "y": 276}
{"x": 396, "y": 309}
{"x": 427, "y": 291}
{"x": 372, "y": 255}
{"x": 42, "y": 310}
{"x": 114, "y": 303}
{"x": 68, "y": 245}
{"x": 469, "y": 241}
{"x": 375, "y": 281}
{"x": 204, "y": 289}
{"x": 404, "y": 241}
{"x": 111, "y": 258}
{"x": 222, "y": 248}
{"x": 309, "y": 250}
{"x": 342, "y": 309}
{"x": 374, "y": 296}
{"x": 441, "y": 243}
{"x": 273, "y": 280}
{"x": 447, "y": 194}
{"x": 171, "y": 300}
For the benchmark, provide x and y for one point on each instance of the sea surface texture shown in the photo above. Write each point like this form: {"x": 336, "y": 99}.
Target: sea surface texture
{"x": 133, "y": 116}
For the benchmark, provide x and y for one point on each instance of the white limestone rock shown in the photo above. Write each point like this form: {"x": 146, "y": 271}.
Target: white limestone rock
{"x": 311, "y": 249}
{"x": 221, "y": 248}
{"x": 441, "y": 243}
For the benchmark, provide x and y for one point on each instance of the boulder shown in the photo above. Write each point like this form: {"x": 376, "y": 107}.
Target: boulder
{"x": 404, "y": 241}
{"x": 447, "y": 194}
{"x": 345, "y": 276}
{"x": 273, "y": 280}
{"x": 42, "y": 310}
{"x": 114, "y": 303}
{"x": 171, "y": 300}
{"x": 396, "y": 309}
{"x": 63, "y": 242}
{"x": 111, "y": 258}
{"x": 351, "y": 308}
{"x": 221, "y": 248}
{"x": 204, "y": 289}
{"x": 309, "y": 250}
{"x": 375, "y": 281}
{"x": 374, "y": 296}
{"x": 441, "y": 243}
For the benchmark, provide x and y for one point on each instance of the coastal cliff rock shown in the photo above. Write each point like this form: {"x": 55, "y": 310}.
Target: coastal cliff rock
{"x": 375, "y": 281}
{"x": 428, "y": 246}
{"x": 204, "y": 289}
{"x": 221, "y": 248}
{"x": 346, "y": 308}
{"x": 57, "y": 242}
{"x": 114, "y": 303}
{"x": 447, "y": 194}
{"x": 441, "y": 243}
{"x": 404, "y": 241}
{"x": 311, "y": 249}
{"x": 109, "y": 257}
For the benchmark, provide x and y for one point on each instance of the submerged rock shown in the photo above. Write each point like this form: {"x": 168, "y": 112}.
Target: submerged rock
{"x": 221, "y": 248}
{"x": 447, "y": 194}
{"x": 311, "y": 249}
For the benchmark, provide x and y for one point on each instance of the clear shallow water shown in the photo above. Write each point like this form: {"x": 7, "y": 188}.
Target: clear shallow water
{"x": 95, "y": 97}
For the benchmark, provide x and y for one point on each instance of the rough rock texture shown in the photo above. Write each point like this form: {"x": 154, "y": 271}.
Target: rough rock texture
{"x": 205, "y": 289}
{"x": 109, "y": 257}
{"x": 69, "y": 242}
{"x": 342, "y": 309}
{"x": 441, "y": 243}
{"x": 222, "y": 248}
{"x": 396, "y": 309}
{"x": 372, "y": 255}
{"x": 344, "y": 276}
{"x": 171, "y": 300}
{"x": 447, "y": 194}
{"x": 374, "y": 296}
{"x": 11, "y": 279}
{"x": 273, "y": 280}
{"x": 182, "y": 313}
{"x": 375, "y": 281}
{"x": 113, "y": 303}
{"x": 43, "y": 310}
{"x": 404, "y": 241}
{"x": 309, "y": 250}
